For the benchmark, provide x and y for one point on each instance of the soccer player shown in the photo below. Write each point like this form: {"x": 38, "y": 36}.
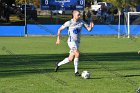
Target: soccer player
{"x": 74, "y": 30}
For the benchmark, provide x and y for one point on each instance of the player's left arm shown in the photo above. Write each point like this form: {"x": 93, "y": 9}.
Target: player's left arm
{"x": 89, "y": 27}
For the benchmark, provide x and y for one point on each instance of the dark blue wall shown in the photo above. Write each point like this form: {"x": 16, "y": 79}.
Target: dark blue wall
{"x": 11, "y": 30}
{"x": 97, "y": 30}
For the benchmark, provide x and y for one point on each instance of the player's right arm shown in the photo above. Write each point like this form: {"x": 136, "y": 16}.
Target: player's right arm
{"x": 66, "y": 24}
{"x": 59, "y": 34}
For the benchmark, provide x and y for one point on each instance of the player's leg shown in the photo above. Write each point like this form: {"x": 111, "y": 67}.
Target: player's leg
{"x": 66, "y": 60}
{"x": 74, "y": 52}
{"x": 71, "y": 56}
{"x": 76, "y": 61}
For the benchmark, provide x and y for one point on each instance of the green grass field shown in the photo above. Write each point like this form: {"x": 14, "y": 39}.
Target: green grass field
{"x": 27, "y": 65}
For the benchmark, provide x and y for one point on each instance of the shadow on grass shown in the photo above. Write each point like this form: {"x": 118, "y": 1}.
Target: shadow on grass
{"x": 6, "y": 73}
{"x": 123, "y": 56}
{"x": 11, "y": 65}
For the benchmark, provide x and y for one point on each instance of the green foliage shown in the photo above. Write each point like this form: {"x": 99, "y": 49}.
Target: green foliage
{"x": 35, "y": 2}
{"x": 123, "y": 3}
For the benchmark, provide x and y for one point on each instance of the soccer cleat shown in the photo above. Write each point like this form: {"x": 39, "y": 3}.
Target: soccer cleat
{"x": 77, "y": 74}
{"x": 57, "y": 67}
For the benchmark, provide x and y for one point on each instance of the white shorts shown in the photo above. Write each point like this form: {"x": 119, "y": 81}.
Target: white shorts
{"x": 73, "y": 46}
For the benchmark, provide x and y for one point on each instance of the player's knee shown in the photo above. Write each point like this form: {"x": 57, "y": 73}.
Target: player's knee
{"x": 77, "y": 54}
{"x": 71, "y": 58}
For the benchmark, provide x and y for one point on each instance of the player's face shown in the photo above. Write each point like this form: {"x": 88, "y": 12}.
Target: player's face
{"x": 77, "y": 15}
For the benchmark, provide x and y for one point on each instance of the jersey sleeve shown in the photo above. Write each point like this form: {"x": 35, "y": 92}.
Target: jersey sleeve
{"x": 66, "y": 24}
{"x": 84, "y": 23}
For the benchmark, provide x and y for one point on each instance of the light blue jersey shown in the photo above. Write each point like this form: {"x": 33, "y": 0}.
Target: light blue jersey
{"x": 74, "y": 29}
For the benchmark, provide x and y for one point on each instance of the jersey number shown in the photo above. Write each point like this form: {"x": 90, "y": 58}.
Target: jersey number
{"x": 76, "y": 31}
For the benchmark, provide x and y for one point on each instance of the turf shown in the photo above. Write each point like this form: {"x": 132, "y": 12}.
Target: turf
{"x": 27, "y": 65}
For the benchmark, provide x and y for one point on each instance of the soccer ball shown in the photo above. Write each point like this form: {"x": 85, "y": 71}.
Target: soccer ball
{"x": 138, "y": 90}
{"x": 85, "y": 75}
